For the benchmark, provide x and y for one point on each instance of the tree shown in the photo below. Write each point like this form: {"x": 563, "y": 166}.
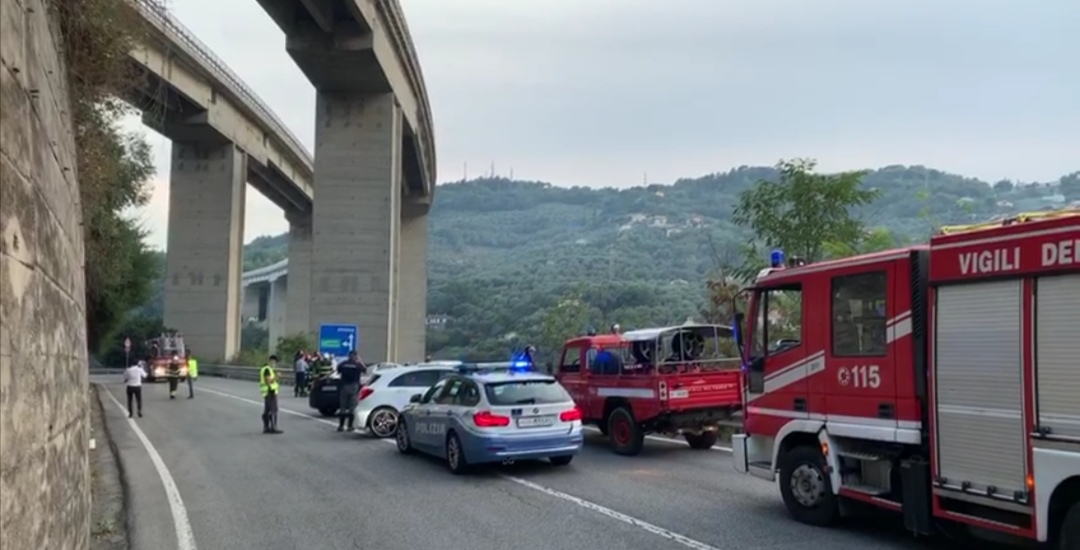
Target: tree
{"x": 1003, "y": 186}
{"x": 802, "y": 211}
{"x": 569, "y": 317}
{"x": 1070, "y": 186}
{"x": 874, "y": 240}
{"x": 112, "y": 167}
{"x": 121, "y": 269}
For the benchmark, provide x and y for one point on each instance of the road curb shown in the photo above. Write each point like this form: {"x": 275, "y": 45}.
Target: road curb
{"x": 111, "y": 460}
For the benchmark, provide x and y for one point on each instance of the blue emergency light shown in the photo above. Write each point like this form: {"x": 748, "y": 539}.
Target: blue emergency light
{"x": 776, "y": 258}
{"x": 515, "y": 366}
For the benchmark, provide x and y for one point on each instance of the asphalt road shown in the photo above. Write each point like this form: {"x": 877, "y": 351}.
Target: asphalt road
{"x": 312, "y": 487}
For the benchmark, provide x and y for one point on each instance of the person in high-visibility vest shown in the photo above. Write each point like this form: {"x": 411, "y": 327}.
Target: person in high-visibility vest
{"x": 268, "y": 384}
{"x": 192, "y": 374}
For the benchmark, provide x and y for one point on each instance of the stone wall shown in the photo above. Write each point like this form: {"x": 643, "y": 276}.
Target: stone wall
{"x": 44, "y": 474}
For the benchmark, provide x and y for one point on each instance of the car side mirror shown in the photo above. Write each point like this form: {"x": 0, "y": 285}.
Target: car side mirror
{"x": 415, "y": 398}
{"x": 756, "y": 375}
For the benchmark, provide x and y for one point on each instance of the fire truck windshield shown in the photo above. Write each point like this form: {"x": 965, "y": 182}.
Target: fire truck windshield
{"x": 777, "y": 320}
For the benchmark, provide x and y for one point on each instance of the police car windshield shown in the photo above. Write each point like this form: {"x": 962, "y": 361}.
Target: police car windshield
{"x": 525, "y": 392}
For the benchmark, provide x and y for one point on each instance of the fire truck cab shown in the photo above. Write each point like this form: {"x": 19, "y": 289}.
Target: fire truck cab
{"x": 939, "y": 381}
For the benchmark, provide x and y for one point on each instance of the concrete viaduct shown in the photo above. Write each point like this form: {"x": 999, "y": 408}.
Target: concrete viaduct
{"x": 358, "y": 245}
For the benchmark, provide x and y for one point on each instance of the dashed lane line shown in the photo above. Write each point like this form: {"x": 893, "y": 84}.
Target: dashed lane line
{"x": 185, "y": 537}
{"x": 587, "y": 504}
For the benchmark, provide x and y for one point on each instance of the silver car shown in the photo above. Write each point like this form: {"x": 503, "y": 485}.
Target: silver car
{"x": 492, "y": 413}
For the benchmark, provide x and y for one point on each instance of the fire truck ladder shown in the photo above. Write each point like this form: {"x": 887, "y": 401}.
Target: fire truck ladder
{"x": 1010, "y": 220}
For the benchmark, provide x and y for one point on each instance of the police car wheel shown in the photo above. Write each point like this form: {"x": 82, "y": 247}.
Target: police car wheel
{"x": 455, "y": 455}
{"x": 404, "y": 445}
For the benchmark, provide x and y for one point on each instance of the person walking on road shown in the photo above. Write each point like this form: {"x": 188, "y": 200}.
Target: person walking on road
{"x": 192, "y": 374}
{"x": 133, "y": 379}
{"x": 268, "y": 384}
{"x": 350, "y": 371}
{"x": 300, "y": 369}
{"x": 173, "y": 374}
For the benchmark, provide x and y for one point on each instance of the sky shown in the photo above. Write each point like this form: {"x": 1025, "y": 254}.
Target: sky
{"x": 619, "y": 92}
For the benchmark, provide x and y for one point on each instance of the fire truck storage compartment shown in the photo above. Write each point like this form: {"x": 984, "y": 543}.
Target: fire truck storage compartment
{"x": 979, "y": 391}
{"x": 1057, "y": 355}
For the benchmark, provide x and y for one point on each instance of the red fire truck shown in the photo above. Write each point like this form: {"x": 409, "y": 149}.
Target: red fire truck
{"x": 678, "y": 380}
{"x": 939, "y": 381}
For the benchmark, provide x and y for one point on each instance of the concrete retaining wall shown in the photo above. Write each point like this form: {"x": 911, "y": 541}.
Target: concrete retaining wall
{"x": 44, "y": 418}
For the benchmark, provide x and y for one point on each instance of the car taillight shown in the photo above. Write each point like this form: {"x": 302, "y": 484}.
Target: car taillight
{"x": 571, "y": 415}
{"x": 365, "y": 391}
{"x": 484, "y": 419}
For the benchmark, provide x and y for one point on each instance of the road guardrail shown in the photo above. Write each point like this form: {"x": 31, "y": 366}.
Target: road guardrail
{"x": 235, "y": 372}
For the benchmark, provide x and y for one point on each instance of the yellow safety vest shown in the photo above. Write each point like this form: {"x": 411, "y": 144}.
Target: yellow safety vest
{"x": 267, "y": 373}
{"x": 192, "y": 368}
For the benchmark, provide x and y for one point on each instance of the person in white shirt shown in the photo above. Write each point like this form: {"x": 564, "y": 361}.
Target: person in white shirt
{"x": 133, "y": 379}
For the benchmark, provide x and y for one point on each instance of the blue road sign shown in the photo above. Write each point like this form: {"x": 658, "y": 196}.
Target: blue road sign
{"x": 338, "y": 340}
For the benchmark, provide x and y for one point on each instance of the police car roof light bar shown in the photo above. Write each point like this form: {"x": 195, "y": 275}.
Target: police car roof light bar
{"x": 518, "y": 365}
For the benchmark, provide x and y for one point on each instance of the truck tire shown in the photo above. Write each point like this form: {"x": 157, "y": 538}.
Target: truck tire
{"x": 627, "y": 437}
{"x": 1069, "y": 535}
{"x": 702, "y": 441}
{"x": 805, "y": 487}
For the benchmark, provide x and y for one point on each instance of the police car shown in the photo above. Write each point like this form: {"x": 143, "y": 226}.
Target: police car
{"x": 493, "y": 412}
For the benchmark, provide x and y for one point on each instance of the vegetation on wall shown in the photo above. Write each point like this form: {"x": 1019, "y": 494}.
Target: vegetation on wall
{"x": 113, "y": 167}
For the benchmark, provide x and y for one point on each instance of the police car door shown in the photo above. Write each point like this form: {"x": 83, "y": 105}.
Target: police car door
{"x": 442, "y": 409}
{"x": 420, "y": 422}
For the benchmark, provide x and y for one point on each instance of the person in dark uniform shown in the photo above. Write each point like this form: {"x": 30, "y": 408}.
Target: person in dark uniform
{"x": 350, "y": 371}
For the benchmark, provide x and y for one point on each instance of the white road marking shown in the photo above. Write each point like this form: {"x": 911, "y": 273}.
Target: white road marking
{"x": 663, "y": 439}
{"x": 613, "y": 514}
{"x": 629, "y": 520}
{"x": 280, "y": 409}
{"x": 185, "y": 537}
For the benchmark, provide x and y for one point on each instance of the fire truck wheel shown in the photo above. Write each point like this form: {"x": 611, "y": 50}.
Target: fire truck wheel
{"x": 702, "y": 441}
{"x": 625, "y": 433}
{"x": 805, "y": 487}
{"x": 1069, "y": 536}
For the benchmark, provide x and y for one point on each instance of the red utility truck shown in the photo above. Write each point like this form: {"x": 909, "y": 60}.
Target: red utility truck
{"x": 939, "y": 381}
{"x": 672, "y": 380}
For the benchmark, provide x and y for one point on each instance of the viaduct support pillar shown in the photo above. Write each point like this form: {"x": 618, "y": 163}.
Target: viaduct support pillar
{"x": 298, "y": 302}
{"x": 204, "y": 259}
{"x": 276, "y": 312}
{"x": 412, "y": 312}
{"x": 354, "y": 263}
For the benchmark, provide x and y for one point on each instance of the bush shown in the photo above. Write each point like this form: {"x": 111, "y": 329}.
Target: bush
{"x": 287, "y": 346}
{"x": 249, "y": 358}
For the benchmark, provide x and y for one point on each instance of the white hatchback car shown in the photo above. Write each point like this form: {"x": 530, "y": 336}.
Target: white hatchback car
{"x": 388, "y": 391}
